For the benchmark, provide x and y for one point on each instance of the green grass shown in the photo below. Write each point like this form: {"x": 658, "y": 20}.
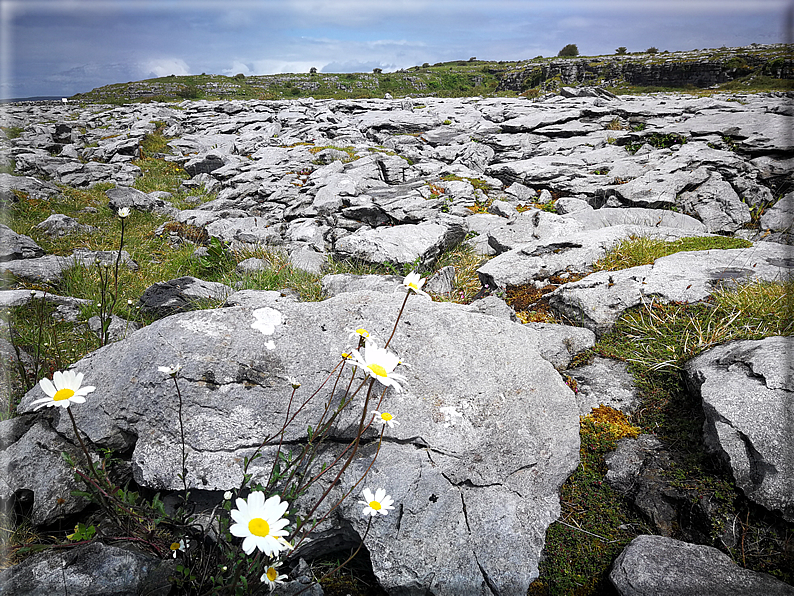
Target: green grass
{"x": 642, "y": 250}
{"x": 656, "y": 341}
{"x": 596, "y": 522}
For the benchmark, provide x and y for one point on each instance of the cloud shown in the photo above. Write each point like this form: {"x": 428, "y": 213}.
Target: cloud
{"x": 162, "y": 67}
{"x": 238, "y": 67}
{"x": 355, "y": 66}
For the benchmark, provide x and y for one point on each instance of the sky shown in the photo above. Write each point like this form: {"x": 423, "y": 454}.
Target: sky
{"x": 63, "y": 47}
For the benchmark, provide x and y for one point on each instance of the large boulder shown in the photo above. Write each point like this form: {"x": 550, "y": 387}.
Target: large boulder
{"x": 747, "y": 389}
{"x": 488, "y": 433}
{"x": 15, "y": 246}
{"x": 539, "y": 259}
{"x": 652, "y": 565}
{"x": 598, "y": 300}
{"x": 93, "y": 569}
{"x": 401, "y": 245}
{"x": 167, "y": 297}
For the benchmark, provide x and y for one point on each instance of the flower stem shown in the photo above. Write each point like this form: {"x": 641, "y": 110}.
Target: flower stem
{"x": 183, "y": 475}
{"x": 85, "y": 450}
{"x": 398, "y": 319}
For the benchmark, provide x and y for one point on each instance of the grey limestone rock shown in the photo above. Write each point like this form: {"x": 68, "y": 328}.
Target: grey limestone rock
{"x": 600, "y": 298}
{"x": 780, "y": 216}
{"x": 746, "y": 388}
{"x": 652, "y": 565}
{"x": 560, "y": 343}
{"x": 253, "y": 264}
{"x": 495, "y": 307}
{"x": 717, "y": 205}
{"x": 27, "y": 185}
{"x": 605, "y": 382}
{"x": 594, "y": 219}
{"x": 441, "y": 281}
{"x": 126, "y": 196}
{"x": 57, "y": 225}
{"x": 488, "y": 431}
{"x": 336, "y": 284}
{"x": 33, "y": 467}
{"x": 530, "y": 226}
{"x": 50, "y": 268}
{"x": 568, "y": 205}
{"x": 401, "y": 245}
{"x": 245, "y": 232}
{"x": 15, "y": 246}
{"x": 167, "y": 297}
{"x": 628, "y": 460}
{"x": 93, "y": 569}
{"x": 576, "y": 252}
{"x": 11, "y": 298}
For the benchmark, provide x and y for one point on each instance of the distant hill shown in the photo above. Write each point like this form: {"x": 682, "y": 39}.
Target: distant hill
{"x": 751, "y": 68}
{"x": 36, "y": 98}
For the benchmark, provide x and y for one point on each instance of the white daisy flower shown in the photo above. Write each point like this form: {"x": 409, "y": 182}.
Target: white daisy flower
{"x": 413, "y": 282}
{"x": 260, "y": 523}
{"x": 385, "y": 418}
{"x": 170, "y": 370}
{"x": 63, "y": 391}
{"x": 379, "y": 363}
{"x": 380, "y": 502}
{"x": 360, "y": 333}
{"x": 124, "y": 212}
{"x": 271, "y": 577}
{"x": 177, "y": 547}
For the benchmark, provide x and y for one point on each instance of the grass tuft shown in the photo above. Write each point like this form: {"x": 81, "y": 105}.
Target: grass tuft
{"x": 642, "y": 250}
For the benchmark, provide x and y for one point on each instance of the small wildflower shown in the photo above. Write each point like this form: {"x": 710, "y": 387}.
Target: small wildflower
{"x": 63, "y": 391}
{"x": 260, "y": 523}
{"x": 227, "y": 496}
{"x": 414, "y": 283}
{"x": 380, "y": 502}
{"x": 170, "y": 370}
{"x": 129, "y": 302}
{"x": 361, "y": 333}
{"x": 271, "y": 577}
{"x": 294, "y": 382}
{"x": 124, "y": 212}
{"x": 386, "y": 419}
{"x": 177, "y": 547}
{"x": 224, "y": 568}
{"x": 379, "y": 363}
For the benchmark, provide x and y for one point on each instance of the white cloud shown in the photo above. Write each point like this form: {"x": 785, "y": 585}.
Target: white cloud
{"x": 275, "y": 66}
{"x": 238, "y": 67}
{"x": 162, "y": 67}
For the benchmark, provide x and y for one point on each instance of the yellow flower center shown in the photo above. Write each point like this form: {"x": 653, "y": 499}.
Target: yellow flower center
{"x": 272, "y": 574}
{"x": 386, "y": 416}
{"x": 374, "y": 505}
{"x": 258, "y": 527}
{"x": 413, "y": 286}
{"x": 362, "y": 332}
{"x": 174, "y": 546}
{"x": 62, "y": 394}
{"x": 378, "y": 370}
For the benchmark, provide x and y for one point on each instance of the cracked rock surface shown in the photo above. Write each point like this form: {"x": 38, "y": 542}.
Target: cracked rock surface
{"x": 652, "y": 565}
{"x": 488, "y": 430}
{"x": 748, "y": 399}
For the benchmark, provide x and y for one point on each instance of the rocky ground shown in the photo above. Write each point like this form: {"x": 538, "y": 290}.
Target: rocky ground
{"x": 490, "y": 425}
